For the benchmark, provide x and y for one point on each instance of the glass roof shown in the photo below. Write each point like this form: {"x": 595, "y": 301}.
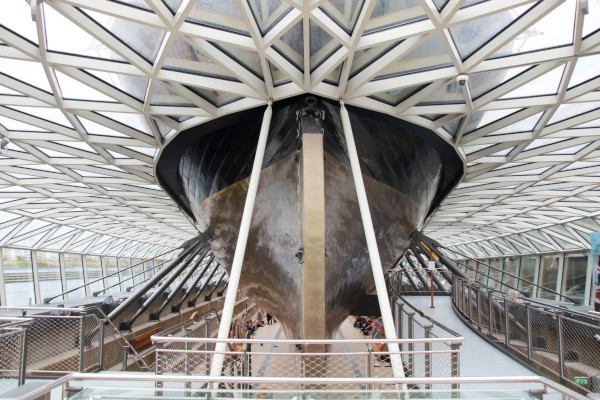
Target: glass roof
{"x": 90, "y": 91}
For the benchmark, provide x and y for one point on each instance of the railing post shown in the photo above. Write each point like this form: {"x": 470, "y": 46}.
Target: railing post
{"x": 427, "y": 335}
{"x": 529, "y": 350}
{"x": 491, "y": 312}
{"x": 157, "y": 366}
{"x": 411, "y": 345}
{"x": 561, "y": 348}
{"x": 455, "y": 366}
{"x": 206, "y": 345}
{"x": 186, "y": 370}
{"x": 23, "y": 364}
{"x": 479, "y": 309}
{"x": 101, "y": 346}
{"x": 125, "y": 350}
{"x": 399, "y": 312}
{"x": 506, "y": 322}
{"x": 81, "y": 343}
{"x": 369, "y": 365}
{"x": 469, "y": 303}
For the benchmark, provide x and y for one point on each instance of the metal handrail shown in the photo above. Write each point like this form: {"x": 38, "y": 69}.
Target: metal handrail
{"x": 38, "y": 392}
{"x": 424, "y": 315}
{"x": 183, "y": 324}
{"x": 47, "y": 300}
{"x": 128, "y": 278}
{"x": 504, "y": 273}
{"x": 175, "y": 339}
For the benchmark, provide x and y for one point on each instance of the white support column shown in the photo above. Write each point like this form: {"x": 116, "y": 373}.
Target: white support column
{"x": 365, "y": 213}
{"x": 240, "y": 248}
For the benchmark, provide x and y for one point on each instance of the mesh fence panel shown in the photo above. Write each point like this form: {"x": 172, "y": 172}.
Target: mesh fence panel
{"x": 581, "y": 353}
{"x": 53, "y": 343}
{"x": 11, "y": 342}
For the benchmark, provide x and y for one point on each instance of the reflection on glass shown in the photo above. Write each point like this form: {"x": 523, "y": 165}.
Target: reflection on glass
{"x": 510, "y": 265}
{"x": 495, "y": 273}
{"x": 94, "y": 272}
{"x": 138, "y": 269}
{"x": 548, "y": 275}
{"x": 291, "y": 45}
{"x": 222, "y": 14}
{"x": 574, "y": 276}
{"x": 247, "y": 58}
{"x": 148, "y": 269}
{"x": 430, "y": 55}
{"x": 110, "y": 265}
{"x": 345, "y": 12}
{"x": 450, "y": 94}
{"x": 390, "y": 13}
{"x": 472, "y": 35}
{"x": 528, "y": 265}
{"x": 322, "y": 45}
{"x": 125, "y": 274}
{"x": 48, "y": 265}
{"x": 482, "y": 272}
{"x": 267, "y": 13}
{"x": 74, "y": 275}
{"x": 395, "y": 97}
{"x": 184, "y": 57}
{"x": 18, "y": 277}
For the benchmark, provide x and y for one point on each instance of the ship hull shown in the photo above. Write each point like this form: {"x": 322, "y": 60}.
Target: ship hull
{"x": 402, "y": 176}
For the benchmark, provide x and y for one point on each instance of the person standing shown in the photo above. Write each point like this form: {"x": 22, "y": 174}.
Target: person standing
{"x": 269, "y": 319}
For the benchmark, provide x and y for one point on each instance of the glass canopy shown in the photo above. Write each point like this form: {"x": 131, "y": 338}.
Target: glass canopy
{"x": 90, "y": 91}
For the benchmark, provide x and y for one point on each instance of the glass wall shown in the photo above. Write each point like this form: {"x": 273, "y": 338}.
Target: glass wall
{"x": 528, "y": 266}
{"x": 548, "y": 275}
{"x": 48, "y": 265}
{"x": 511, "y": 264}
{"x": 110, "y": 265}
{"x": 29, "y": 280}
{"x": 17, "y": 271}
{"x": 138, "y": 270}
{"x": 74, "y": 275}
{"x": 495, "y": 273}
{"x": 124, "y": 267}
{"x": 93, "y": 265}
{"x": 575, "y": 276}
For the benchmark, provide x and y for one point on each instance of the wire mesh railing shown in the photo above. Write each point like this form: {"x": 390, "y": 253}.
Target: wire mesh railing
{"x": 13, "y": 341}
{"x": 561, "y": 343}
{"x": 365, "y": 358}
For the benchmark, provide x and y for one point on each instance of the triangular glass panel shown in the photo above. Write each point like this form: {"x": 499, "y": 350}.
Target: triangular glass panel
{"x": 452, "y": 127}
{"x": 6, "y": 91}
{"x": 483, "y": 118}
{"x": 391, "y": 13}
{"x": 334, "y": 76}
{"x": 585, "y": 69}
{"x": 268, "y": 13}
{"x": 135, "y": 121}
{"x": 566, "y": 111}
{"x": 451, "y": 94}
{"x": 537, "y": 143}
{"x": 553, "y": 30}
{"x": 135, "y": 3}
{"x": 322, "y": 45}
{"x": 440, "y": 4}
{"x": 79, "y": 145}
{"x": 184, "y": 57}
{"x": 247, "y": 58}
{"x": 173, "y": 5}
{"x": 14, "y": 125}
{"x": 48, "y": 114}
{"x": 395, "y": 97}
{"x": 591, "y": 22}
{"x": 222, "y": 14}
{"x": 483, "y": 82}
{"x": 344, "y": 12}
{"x": 147, "y": 151}
{"x": 472, "y": 35}
{"x": 544, "y": 85}
{"x": 7, "y": 230}
{"x": 215, "y": 97}
{"x": 76, "y": 90}
{"x": 31, "y": 73}
{"x": 134, "y": 86}
{"x": 524, "y": 125}
{"x": 17, "y": 18}
{"x": 53, "y": 153}
{"x": 365, "y": 57}
{"x": 429, "y": 55}
{"x": 279, "y": 78}
{"x": 94, "y": 128}
{"x": 590, "y": 124}
{"x": 30, "y": 241}
{"x": 32, "y": 226}
{"x": 163, "y": 96}
{"x": 6, "y": 216}
{"x": 143, "y": 39}
{"x": 162, "y": 128}
{"x": 291, "y": 45}
{"x": 64, "y": 36}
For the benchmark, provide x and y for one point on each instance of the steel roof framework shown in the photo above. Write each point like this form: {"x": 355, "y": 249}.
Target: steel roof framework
{"x": 91, "y": 90}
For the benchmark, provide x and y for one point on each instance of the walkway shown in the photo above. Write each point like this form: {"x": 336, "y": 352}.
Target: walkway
{"x": 477, "y": 356}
